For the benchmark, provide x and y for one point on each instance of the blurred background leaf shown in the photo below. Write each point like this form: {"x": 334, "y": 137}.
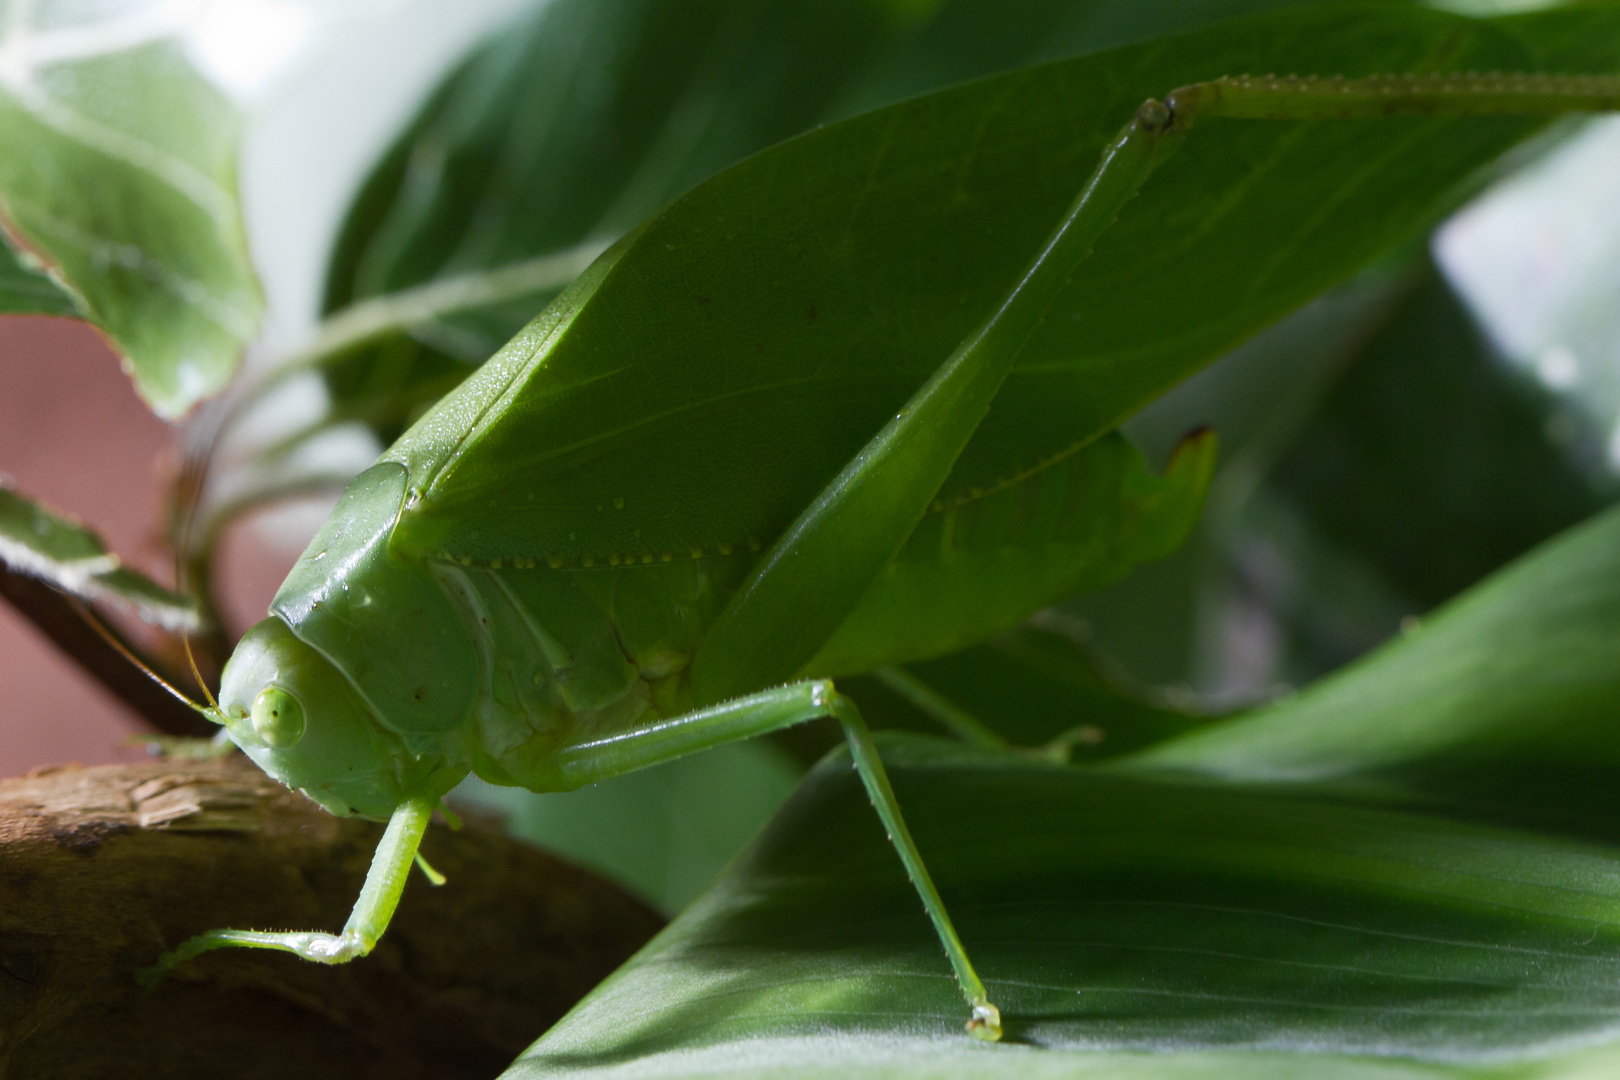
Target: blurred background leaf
{"x": 1381, "y": 455}
{"x": 1500, "y": 704}
{"x": 25, "y": 289}
{"x": 128, "y": 189}
{"x": 58, "y": 550}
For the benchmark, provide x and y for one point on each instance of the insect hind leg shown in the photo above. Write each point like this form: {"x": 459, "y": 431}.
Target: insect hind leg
{"x": 379, "y": 896}
{"x": 985, "y": 1023}
{"x": 772, "y": 710}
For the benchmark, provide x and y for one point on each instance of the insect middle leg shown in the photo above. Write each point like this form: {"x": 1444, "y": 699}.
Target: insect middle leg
{"x": 772, "y": 710}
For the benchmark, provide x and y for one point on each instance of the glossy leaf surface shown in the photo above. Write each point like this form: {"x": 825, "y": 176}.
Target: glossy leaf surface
{"x": 1112, "y": 913}
{"x": 61, "y": 551}
{"x": 755, "y": 334}
{"x": 127, "y": 188}
{"x": 1503, "y": 700}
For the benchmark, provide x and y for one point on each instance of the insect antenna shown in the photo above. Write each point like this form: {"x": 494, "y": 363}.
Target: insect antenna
{"x": 124, "y": 650}
{"x": 192, "y": 480}
{"x": 191, "y": 660}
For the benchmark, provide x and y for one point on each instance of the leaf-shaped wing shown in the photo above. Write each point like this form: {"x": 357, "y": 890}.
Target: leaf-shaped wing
{"x": 721, "y": 366}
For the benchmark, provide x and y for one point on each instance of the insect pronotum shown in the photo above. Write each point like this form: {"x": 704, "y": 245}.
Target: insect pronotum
{"x": 390, "y": 668}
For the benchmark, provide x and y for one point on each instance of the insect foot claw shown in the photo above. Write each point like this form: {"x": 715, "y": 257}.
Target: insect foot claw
{"x": 328, "y": 948}
{"x": 986, "y": 1023}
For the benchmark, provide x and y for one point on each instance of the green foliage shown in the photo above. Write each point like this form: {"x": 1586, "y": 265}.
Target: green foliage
{"x": 27, "y": 290}
{"x": 1404, "y": 870}
{"x": 1111, "y": 912}
{"x": 1503, "y": 699}
{"x": 1441, "y": 915}
{"x": 587, "y": 116}
{"x": 42, "y": 544}
{"x": 1429, "y": 456}
{"x": 127, "y": 190}
{"x": 794, "y": 301}
{"x": 565, "y": 132}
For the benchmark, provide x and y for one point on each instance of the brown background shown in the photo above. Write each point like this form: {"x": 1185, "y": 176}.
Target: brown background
{"x": 73, "y": 434}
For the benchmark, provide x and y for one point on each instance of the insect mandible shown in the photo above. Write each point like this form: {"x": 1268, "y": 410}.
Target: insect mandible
{"x": 409, "y": 648}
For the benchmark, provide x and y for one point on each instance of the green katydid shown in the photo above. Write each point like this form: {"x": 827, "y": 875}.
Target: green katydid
{"x": 409, "y": 648}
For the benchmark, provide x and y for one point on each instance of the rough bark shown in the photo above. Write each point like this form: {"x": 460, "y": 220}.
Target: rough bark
{"x": 102, "y": 869}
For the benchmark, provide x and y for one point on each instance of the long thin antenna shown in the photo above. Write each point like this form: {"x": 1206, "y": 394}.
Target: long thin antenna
{"x": 123, "y": 650}
{"x": 185, "y": 643}
{"x": 194, "y": 475}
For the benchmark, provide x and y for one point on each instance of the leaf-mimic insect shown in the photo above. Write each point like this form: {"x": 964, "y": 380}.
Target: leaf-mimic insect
{"x": 518, "y": 591}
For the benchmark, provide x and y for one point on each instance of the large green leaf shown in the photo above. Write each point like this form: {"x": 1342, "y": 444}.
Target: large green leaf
{"x": 1111, "y": 913}
{"x": 118, "y": 169}
{"x": 719, "y": 368}
{"x": 25, "y": 289}
{"x": 1503, "y": 701}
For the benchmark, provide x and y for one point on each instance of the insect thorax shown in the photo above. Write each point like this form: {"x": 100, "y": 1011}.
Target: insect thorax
{"x": 493, "y": 668}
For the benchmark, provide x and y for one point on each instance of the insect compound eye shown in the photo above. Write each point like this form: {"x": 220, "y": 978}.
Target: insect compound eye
{"x": 278, "y": 718}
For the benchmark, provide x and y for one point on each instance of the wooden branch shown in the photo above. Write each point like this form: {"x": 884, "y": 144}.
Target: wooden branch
{"x": 103, "y": 869}
{"x": 55, "y": 617}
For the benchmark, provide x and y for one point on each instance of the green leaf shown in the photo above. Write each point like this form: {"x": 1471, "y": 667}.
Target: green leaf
{"x": 664, "y": 833}
{"x": 63, "y": 552}
{"x": 120, "y": 173}
{"x": 719, "y": 368}
{"x": 1218, "y": 926}
{"x": 559, "y": 135}
{"x": 969, "y": 39}
{"x": 1503, "y": 701}
{"x": 1432, "y": 457}
{"x": 1427, "y": 464}
{"x": 521, "y": 162}
{"x": 25, "y": 289}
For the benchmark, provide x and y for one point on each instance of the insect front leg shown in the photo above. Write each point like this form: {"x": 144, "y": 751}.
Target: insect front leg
{"x": 379, "y": 896}
{"x": 772, "y": 710}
